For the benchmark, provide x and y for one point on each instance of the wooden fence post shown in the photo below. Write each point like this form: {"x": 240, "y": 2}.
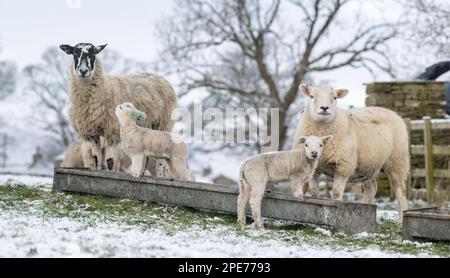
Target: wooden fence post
{"x": 409, "y": 179}
{"x": 429, "y": 169}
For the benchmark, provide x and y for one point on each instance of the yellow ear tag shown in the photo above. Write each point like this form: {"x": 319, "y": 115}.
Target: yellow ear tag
{"x": 127, "y": 113}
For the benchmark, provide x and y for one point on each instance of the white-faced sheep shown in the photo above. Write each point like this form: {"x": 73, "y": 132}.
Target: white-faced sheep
{"x": 94, "y": 95}
{"x": 139, "y": 143}
{"x": 366, "y": 141}
{"x": 296, "y": 166}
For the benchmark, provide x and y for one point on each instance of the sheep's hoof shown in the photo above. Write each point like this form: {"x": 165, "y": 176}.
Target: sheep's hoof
{"x": 136, "y": 175}
{"x": 299, "y": 195}
{"x": 241, "y": 222}
{"x": 259, "y": 226}
{"x": 110, "y": 163}
{"x": 95, "y": 165}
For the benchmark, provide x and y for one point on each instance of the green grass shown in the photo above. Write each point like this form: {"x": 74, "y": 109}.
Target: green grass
{"x": 145, "y": 215}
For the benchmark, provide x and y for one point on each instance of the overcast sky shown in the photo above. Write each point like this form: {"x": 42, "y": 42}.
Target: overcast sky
{"x": 28, "y": 27}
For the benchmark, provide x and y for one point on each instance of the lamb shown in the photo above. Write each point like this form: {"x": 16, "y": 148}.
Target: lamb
{"x": 297, "y": 167}
{"x": 140, "y": 143}
{"x": 79, "y": 155}
{"x": 366, "y": 141}
{"x": 94, "y": 95}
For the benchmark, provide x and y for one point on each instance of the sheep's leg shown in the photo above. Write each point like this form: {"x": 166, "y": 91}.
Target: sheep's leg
{"x": 137, "y": 165}
{"x": 244, "y": 196}
{"x": 370, "y": 190}
{"x": 180, "y": 170}
{"x": 111, "y": 157}
{"x": 257, "y": 191}
{"x": 96, "y": 153}
{"x": 399, "y": 186}
{"x": 255, "y": 205}
{"x": 297, "y": 185}
{"x": 339, "y": 187}
{"x": 161, "y": 169}
{"x": 314, "y": 185}
{"x": 87, "y": 159}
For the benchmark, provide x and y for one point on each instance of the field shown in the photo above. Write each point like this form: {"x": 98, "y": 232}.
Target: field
{"x": 36, "y": 222}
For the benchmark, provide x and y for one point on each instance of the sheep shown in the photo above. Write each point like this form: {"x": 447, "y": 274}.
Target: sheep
{"x": 140, "y": 143}
{"x": 366, "y": 141}
{"x": 297, "y": 167}
{"x": 79, "y": 155}
{"x": 94, "y": 95}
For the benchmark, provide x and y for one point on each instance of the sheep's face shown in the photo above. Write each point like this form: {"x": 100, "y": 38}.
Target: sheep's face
{"x": 314, "y": 145}
{"x": 126, "y": 112}
{"x": 322, "y": 101}
{"x": 83, "y": 58}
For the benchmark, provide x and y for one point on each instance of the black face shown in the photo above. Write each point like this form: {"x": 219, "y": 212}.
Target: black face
{"x": 83, "y": 57}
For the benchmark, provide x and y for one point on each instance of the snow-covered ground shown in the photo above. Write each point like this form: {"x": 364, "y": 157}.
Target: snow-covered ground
{"x": 28, "y": 180}
{"x": 32, "y": 233}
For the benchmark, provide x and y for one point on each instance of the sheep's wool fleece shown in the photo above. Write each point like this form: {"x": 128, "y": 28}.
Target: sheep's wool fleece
{"x": 364, "y": 142}
{"x": 92, "y": 102}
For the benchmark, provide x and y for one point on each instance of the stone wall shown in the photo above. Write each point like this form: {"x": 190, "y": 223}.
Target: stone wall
{"x": 414, "y": 100}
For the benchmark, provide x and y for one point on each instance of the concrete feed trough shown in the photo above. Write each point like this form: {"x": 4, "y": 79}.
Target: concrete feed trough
{"x": 428, "y": 223}
{"x": 344, "y": 217}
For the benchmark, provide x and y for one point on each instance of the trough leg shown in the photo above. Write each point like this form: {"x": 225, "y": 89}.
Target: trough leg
{"x": 369, "y": 191}
{"x": 339, "y": 187}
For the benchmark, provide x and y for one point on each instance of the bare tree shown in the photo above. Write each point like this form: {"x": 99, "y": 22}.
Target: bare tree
{"x": 47, "y": 86}
{"x": 8, "y": 72}
{"x": 428, "y": 26}
{"x": 246, "y": 53}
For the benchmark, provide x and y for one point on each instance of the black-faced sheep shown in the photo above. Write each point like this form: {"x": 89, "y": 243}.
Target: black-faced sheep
{"x": 94, "y": 96}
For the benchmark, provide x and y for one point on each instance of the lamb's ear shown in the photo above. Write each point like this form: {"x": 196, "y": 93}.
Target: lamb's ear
{"x": 100, "y": 48}
{"x": 305, "y": 89}
{"x": 302, "y": 140}
{"x": 341, "y": 93}
{"x": 327, "y": 139}
{"x": 140, "y": 116}
{"x": 67, "y": 48}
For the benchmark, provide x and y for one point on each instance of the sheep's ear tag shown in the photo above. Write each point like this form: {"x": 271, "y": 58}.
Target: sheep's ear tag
{"x": 127, "y": 113}
{"x": 140, "y": 116}
{"x": 326, "y": 139}
{"x": 302, "y": 141}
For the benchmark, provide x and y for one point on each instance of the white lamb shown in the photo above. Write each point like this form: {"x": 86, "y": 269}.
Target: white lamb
{"x": 366, "y": 141}
{"x": 296, "y": 166}
{"x": 139, "y": 143}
